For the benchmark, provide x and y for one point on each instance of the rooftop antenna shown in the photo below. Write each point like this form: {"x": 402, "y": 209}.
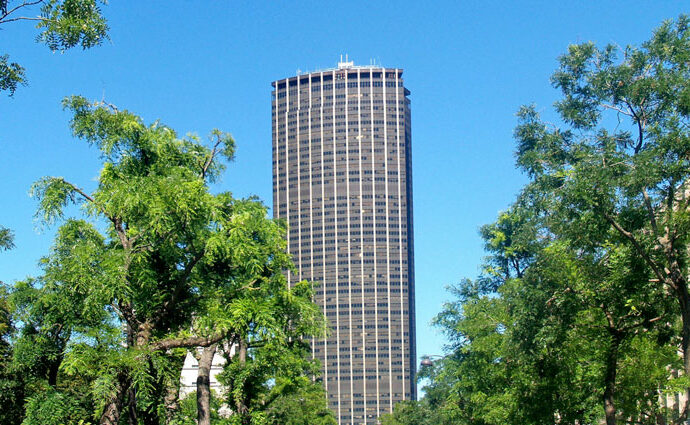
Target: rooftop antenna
{"x": 345, "y": 64}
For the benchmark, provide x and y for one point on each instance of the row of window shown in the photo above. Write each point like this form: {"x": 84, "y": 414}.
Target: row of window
{"x": 325, "y": 104}
{"x": 339, "y": 75}
{"x": 353, "y": 108}
{"x": 358, "y": 312}
{"x": 347, "y": 348}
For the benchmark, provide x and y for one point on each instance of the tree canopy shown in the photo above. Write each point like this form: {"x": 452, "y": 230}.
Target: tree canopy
{"x": 583, "y": 305}
{"x": 157, "y": 266}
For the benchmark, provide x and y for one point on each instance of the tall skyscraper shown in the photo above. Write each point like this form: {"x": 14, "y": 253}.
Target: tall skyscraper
{"x": 342, "y": 178}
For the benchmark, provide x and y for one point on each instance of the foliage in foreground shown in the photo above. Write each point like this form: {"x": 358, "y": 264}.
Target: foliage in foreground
{"x": 583, "y": 306}
{"x": 157, "y": 266}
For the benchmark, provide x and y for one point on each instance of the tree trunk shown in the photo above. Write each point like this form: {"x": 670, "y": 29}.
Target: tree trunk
{"x": 203, "y": 385}
{"x": 53, "y": 369}
{"x": 172, "y": 391}
{"x": 610, "y": 378}
{"x": 660, "y": 419}
{"x": 132, "y": 414}
{"x": 240, "y": 406}
{"x": 113, "y": 408}
{"x": 684, "y": 299}
{"x": 150, "y": 414}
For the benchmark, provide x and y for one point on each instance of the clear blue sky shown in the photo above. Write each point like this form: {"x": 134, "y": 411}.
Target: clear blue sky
{"x": 200, "y": 65}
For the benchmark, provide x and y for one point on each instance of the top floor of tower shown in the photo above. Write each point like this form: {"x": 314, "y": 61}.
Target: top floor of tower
{"x": 345, "y": 75}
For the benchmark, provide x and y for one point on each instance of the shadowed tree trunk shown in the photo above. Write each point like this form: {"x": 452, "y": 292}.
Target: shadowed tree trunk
{"x": 53, "y": 370}
{"x": 113, "y": 408}
{"x": 132, "y": 414}
{"x": 172, "y": 391}
{"x": 241, "y": 408}
{"x": 610, "y": 377}
{"x": 203, "y": 385}
{"x": 684, "y": 301}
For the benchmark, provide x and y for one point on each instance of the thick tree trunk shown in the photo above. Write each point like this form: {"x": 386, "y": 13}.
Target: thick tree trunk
{"x": 113, "y": 408}
{"x": 53, "y": 370}
{"x": 242, "y": 358}
{"x": 172, "y": 391}
{"x": 610, "y": 378}
{"x": 203, "y": 385}
{"x": 132, "y": 413}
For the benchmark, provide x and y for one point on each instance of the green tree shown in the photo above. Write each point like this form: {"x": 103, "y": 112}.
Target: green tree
{"x": 574, "y": 291}
{"x": 153, "y": 194}
{"x": 187, "y": 412}
{"x": 271, "y": 377}
{"x": 410, "y": 412}
{"x": 52, "y": 312}
{"x": 63, "y": 24}
{"x": 597, "y": 309}
{"x": 620, "y": 161}
{"x": 12, "y": 384}
{"x": 177, "y": 267}
{"x": 264, "y": 316}
{"x": 556, "y": 343}
{"x": 6, "y": 239}
{"x": 296, "y": 401}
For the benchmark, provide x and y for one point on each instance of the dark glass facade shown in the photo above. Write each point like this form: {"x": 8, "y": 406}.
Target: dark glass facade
{"x": 342, "y": 179}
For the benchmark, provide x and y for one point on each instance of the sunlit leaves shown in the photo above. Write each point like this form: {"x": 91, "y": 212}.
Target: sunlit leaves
{"x": 12, "y": 75}
{"x": 51, "y": 407}
{"x": 571, "y": 307}
{"x": 6, "y": 239}
{"x": 112, "y": 131}
{"x": 53, "y": 194}
{"x": 70, "y": 23}
{"x": 162, "y": 263}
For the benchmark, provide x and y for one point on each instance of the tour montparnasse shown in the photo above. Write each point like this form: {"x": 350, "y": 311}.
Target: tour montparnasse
{"x": 342, "y": 179}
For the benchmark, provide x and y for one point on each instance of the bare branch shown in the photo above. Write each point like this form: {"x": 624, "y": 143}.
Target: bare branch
{"x": 250, "y": 286}
{"x": 637, "y": 325}
{"x": 650, "y": 211}
{"x": 190, "y": 342}
{"x": 640, "y": 125}
{"x": 257, "y": 344}
{"x": 22, "y": 18}
{"x": 209, "y": 161}
{"x": 108, "y": 105}
{"x": 14, "y": 9}
{"x": 617, "y": 109}
{"x": 609, "y": 318}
